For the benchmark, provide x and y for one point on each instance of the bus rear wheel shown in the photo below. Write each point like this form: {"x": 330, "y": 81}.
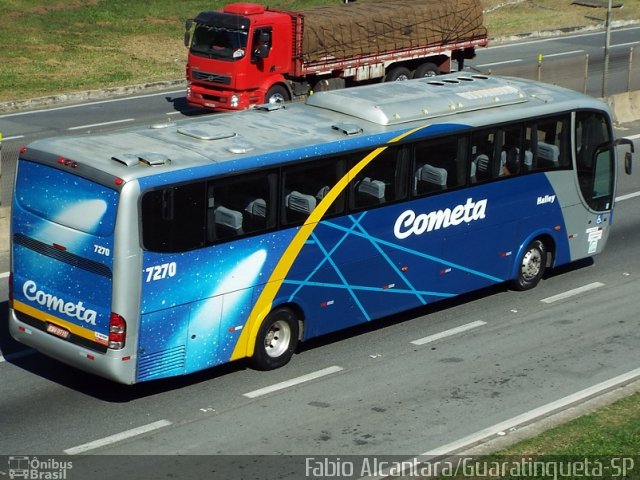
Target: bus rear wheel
{"x": 276, "y": 340}
{"x": 531, "y": 266}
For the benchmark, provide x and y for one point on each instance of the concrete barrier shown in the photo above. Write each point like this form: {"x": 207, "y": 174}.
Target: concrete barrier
{"x": 625, "y": 106}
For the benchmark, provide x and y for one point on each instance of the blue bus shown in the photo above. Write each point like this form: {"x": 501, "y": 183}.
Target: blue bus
{"x": 159, "y": 251}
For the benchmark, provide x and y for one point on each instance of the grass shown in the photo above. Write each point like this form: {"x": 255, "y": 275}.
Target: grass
{"x": 603, "y": 444}
{"x": 60, "y": 46}
{"x": 611, "y": 430}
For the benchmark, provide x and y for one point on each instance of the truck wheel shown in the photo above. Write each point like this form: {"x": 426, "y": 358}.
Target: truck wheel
{"x": 398, "y": 74}
{"x": 531, "y": 266}
{"x": 426, "y": 70}
{"x": 277, "y": 94}
{"x": 327, "y": 84}
{"x": 276, "y": 340}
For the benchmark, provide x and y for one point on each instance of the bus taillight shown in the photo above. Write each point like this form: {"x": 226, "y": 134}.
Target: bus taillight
{"x": 117, "y": 331}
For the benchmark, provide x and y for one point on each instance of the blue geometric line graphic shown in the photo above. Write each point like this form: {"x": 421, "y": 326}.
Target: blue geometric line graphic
{"x": 326, "y": 258}
{"x": 342, "y": 278}
{"x": 364, "y": 288}
{"x": 416, "y": 253}
{"x": 384, "y": 255}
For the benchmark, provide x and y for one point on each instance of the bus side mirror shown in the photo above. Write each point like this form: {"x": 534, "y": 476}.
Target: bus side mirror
{"x": 628, "y": 156}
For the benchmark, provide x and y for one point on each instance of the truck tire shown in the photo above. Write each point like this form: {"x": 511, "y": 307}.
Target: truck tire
{"x": 277, "y": 94}
{"x": 327, "y": 84}
{"x": 426, "y": 70}
{"x": 276, "y": 340}
{"x": 397, "y": 74}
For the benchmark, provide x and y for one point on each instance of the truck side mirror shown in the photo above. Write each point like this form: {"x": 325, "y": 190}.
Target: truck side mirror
{"x": 187, "y": 30}
{"x": 261, "y": 52}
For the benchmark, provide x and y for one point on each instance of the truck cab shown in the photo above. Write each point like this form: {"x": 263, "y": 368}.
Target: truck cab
{"x": 238, "y": 57}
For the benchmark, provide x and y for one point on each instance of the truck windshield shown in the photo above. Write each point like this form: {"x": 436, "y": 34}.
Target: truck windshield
{"x": 219, "y": 42}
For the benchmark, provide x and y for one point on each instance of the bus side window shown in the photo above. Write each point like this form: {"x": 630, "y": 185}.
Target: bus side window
{"x": 553, "y": 150}
{"x": 240, "y": 205}
{"x": 173, "y": 218}
{"x": 511, "y": 151}
{"x": 438, "y": 165}
{"x": 305, "y": 185}
{"x": 484, "y": 164}
{"x": 383, "y": 180}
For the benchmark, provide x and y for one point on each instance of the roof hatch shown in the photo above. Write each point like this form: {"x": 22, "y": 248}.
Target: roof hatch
{"x": 152, "y": 159}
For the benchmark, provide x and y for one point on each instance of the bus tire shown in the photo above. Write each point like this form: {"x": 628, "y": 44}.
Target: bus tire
{"x": 531, "y": 266}
{"x": 277, "y": 94}
{"x": 426, "y": 70}
{"x": 398, "y": 74}
{"x": 276, "y": 340}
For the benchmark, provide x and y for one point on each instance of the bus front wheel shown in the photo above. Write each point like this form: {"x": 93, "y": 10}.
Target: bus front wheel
{"x": 532, "y": 265}
{"x": 276, "y": 340}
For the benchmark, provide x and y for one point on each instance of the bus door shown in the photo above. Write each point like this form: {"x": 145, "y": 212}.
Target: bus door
{"x": 595, "y": 166}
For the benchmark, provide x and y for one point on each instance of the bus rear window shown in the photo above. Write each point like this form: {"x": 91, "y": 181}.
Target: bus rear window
{"x": 66, "y": 199}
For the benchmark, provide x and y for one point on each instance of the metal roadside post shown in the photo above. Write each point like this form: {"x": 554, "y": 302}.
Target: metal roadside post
{"x": 0, "y": 168}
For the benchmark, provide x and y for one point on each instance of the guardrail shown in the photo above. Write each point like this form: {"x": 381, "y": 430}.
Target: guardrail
{"x": 577, "y": 72}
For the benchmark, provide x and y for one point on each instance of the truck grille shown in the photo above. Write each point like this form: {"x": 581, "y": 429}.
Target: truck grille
{"x": 211, "y": 77}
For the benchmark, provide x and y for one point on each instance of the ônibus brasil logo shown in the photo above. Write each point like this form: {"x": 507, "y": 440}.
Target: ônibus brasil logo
{"x": 409, "y": 223}
{"x": 71, "y": 309}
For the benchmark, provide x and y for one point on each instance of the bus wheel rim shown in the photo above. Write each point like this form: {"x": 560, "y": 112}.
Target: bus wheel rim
{"x": 277, "y": 339}
{"x": 531, "y": 264}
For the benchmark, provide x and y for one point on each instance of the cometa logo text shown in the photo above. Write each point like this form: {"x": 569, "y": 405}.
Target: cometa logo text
{"x": 74, "y": 310}
{"x": 410, "y": 223}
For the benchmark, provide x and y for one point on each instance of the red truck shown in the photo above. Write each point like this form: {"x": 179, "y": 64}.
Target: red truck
{"x": 249, "y": 54}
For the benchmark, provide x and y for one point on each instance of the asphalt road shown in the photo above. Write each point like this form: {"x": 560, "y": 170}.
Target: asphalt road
{"x": 476, "y": 362}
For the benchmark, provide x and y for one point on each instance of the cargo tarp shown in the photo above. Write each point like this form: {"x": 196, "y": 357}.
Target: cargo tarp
{"x": 373, "y": 27}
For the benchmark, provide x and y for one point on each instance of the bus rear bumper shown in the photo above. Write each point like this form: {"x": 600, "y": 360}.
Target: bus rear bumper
{"x": 115, "y": 365}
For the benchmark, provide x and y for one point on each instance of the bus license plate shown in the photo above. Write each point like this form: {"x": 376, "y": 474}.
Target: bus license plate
{"x": 57, "y": 331}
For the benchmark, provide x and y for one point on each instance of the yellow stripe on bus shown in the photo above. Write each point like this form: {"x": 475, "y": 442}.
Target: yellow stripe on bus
{"x": 246, "y": 343}
{"x": 45, "y": 317}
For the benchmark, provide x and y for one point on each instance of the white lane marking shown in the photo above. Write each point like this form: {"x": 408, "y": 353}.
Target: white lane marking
{"x": 4, "y": 275}
{"x": 15, "y": 137}
{"x": 113, "y": 122}
{"x": 499, "y": 63}
{"x": 633, "y": 137}
{"x": 134, "y": 432}
{"x": 449, "y": 333}
{"x": 458, "y": 446}
{"x": 99, "y": 102}
{"x": 293, "y": 382}
{"x": 551, "y": 39}
{"x": 627, "y": 196}
{"x": 628, "y": 44}
{"x": 536, "y": 413}
{"x": 573, "y": 292}
{"x": 572, "y": 52}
